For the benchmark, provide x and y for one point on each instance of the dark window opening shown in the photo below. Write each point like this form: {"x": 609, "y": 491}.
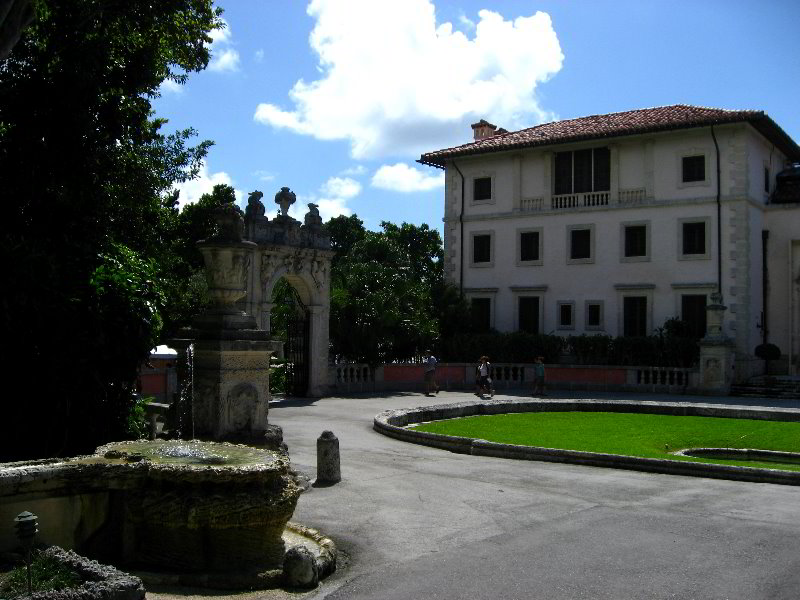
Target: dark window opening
{"x": 582, "y": 171}
{"x": 482, "y": 189}
{"x": 594, "y": 315}
{"x": 694, "y": 238}
{"x": 694, "y": 168}
{"x": 529, "y": 245}
{"x": 529, "y": 314}
{"x": 693, "y": 313}
{"x": 481, "y": 312}
{"x": 482, "y": 248}
{"x": 580, "y": 246}
{"x": 565, "y": 315}
{"x": 635, "y": 240}
{"x": 634, "y": 316}
{"x": 563, "y": 173}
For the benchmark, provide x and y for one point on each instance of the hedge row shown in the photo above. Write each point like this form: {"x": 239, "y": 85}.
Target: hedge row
{"x": 654, "y": 350}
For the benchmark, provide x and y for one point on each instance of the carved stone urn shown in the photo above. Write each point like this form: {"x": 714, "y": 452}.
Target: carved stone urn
{"x": 227, "y": 259}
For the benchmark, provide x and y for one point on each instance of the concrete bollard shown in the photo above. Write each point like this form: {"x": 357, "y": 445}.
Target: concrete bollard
{"x": 328, "y": 468}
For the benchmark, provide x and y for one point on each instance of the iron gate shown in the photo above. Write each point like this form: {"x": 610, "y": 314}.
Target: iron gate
{"x": 297, "y": 346}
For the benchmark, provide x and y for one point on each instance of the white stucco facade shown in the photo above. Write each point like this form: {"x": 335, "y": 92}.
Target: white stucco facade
{"x": 646, "y": 191}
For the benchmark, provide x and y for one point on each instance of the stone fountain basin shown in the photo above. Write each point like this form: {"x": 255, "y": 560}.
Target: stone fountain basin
{"x": 164, "y": 505}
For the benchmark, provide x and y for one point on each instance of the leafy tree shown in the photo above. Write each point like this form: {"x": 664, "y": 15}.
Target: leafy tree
{"x": 88, "y": 214}
{"x": 345, "y": 232}
{"x": 388, "y": 299}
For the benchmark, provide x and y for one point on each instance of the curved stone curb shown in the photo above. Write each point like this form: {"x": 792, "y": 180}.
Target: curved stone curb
{"x": 393, "y": 423}
{"x": 326, "y": 561}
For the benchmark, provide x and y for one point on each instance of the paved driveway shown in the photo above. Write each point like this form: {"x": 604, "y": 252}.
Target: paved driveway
{"x": 425, "y": 523}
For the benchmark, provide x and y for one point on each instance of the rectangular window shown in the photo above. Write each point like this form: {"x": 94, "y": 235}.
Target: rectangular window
{"x": 529, "y": 314}
{"x": 766, "y": 180}
{"x": 582, "y": 171}
{"x": 580, "y": 244}
{"x": 563, "y": 173}
{"x": 634, "y": 316}
{"x": 594, "y": 315}
{"x": 482, "y": 189}
{"x": 694, "y": 238}
{"x": 481, "y": 313}
{"x": 482, "y": 248}
{"x": 566, "y": 315}
{"x": 529, "y": 245}
{"x": 694, "y": 168}
{"x": 635, "y": 241}
{"x": 693, "y": 313}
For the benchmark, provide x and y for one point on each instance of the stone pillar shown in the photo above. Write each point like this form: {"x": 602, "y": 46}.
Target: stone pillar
{"x": 230, "y": 398}
{"x": 716, "y": 351}
{"x": 318, "y": 352}
{"x": 328, "y": 459}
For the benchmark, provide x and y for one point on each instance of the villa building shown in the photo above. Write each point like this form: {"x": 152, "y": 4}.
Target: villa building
{"x": 616, "y": 223}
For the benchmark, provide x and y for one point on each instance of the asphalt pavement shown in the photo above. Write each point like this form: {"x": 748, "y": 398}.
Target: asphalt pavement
{"x": 418, "y": 522}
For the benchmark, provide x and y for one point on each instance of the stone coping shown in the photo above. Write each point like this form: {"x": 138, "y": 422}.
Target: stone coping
{"x": 95, "y": 473}
{"x": 100, "y": 582}
{"x": 394, "y": 423}
{"x": 325, "y": 555}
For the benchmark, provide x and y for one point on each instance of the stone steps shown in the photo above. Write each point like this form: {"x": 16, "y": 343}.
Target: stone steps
{"x": 768, "y": 387}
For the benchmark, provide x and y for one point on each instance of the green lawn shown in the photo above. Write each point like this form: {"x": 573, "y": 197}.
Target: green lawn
{"x": 651, "y": 436}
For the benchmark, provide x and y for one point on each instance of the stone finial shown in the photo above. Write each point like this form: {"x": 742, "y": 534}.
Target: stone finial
{"x": 312, "y": 218}
{"x": 285, "y": 198}
{"x": 255, "y": 208}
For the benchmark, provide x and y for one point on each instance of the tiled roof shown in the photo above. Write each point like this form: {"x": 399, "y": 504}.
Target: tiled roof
{"x": 645, "y": 120}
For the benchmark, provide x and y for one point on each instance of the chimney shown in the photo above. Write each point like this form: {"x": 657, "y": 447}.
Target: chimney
{"x": 483, "y": 129}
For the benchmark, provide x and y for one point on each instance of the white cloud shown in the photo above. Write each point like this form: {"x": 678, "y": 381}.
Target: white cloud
{"x": 264, "y": 175}
{"x": 393, "y": 82}
{"x": 332, "y": 207}
{"x": 259, "y": 55}
{"x": 466, "y": 21}
{"x": 402, "y": 178}
{"x": 341, "y": 187}
{"x": 356, "y": 170}
{"x": 223, "y": 56}
{"x": 171, "y": 87}
{"x": 190, "y": 191}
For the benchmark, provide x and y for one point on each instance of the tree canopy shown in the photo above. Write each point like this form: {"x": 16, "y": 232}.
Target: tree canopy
{"x": 388, "y": 298}
{"x": 86, "y": 173}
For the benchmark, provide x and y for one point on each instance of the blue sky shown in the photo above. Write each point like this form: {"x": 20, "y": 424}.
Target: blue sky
{"x": 336, "y": 99}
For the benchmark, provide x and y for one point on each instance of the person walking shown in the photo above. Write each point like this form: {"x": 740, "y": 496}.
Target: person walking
{"x": 484, "y": 383}
{"x": 430, "y": 374}
{"x": 538, "y": 372}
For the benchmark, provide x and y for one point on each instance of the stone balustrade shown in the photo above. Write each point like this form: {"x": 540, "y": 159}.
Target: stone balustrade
{"x": 396, "y": 377}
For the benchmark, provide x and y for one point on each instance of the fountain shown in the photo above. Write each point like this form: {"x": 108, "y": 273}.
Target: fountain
{"x": 206, "y": 512}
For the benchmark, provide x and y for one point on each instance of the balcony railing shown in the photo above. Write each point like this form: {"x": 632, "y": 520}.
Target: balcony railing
{"x": 580, "y": 200}
{"x": 633, "y": 196}
{"x": 628, "y": 197}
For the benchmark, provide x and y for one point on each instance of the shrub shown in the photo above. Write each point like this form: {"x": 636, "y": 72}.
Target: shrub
{"x": 768, "y": 352}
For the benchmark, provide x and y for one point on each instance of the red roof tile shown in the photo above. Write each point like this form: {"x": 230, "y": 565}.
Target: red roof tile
{"x": 645, "y": 120}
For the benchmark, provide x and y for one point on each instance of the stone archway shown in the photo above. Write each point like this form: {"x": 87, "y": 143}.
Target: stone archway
{"x": 300, "y": 253}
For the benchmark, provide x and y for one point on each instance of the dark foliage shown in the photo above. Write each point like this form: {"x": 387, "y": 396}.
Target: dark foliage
{"x": 88, "y": 215}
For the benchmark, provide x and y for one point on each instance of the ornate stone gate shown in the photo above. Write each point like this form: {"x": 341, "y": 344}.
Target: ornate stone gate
{"x": 301, "y": 253}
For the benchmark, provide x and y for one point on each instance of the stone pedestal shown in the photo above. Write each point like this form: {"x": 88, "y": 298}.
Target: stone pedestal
{"x": 716, "y": 351}
{"x": 231, "y": 384}
{"x": 230, "y": 355}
